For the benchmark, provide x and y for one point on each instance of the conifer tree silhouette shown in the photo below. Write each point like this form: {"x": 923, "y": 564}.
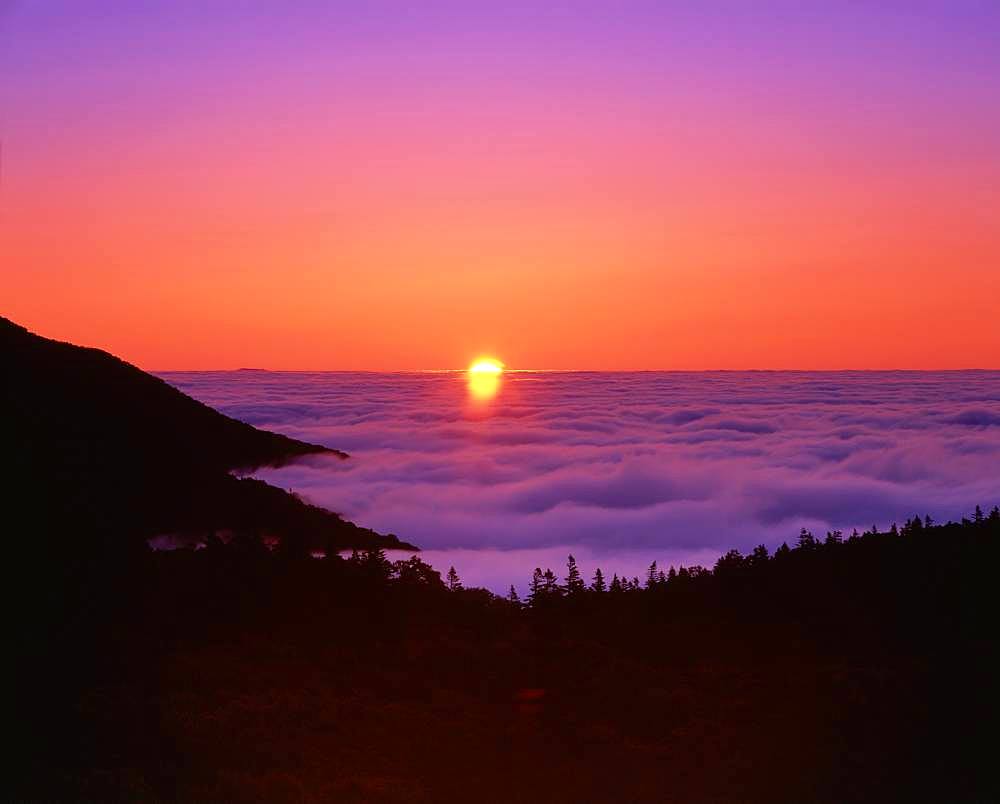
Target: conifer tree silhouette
{"x": 574, "y": 583}
{"x": 550, "y": 586}
{"x": 535, "y": 586}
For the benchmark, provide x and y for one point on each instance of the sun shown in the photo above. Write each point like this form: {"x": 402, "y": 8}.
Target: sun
{"x": 484, "y": 375}
{"x": 486, "y": 365}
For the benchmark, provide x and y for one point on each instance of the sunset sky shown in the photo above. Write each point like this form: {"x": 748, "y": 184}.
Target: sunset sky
{"x": 616, "y": 185}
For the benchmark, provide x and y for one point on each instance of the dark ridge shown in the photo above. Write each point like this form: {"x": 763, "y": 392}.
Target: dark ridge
{"x": 843, "y": 670}
{"x": 99, "y": 447}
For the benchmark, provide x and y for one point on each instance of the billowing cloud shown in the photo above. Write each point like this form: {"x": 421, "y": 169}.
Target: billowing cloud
{"x": 626, "y": 468}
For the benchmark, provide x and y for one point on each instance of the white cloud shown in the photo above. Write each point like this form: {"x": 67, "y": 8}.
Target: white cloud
{"x": 653, "y": 462}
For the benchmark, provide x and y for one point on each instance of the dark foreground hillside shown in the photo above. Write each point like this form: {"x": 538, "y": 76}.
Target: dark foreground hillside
{"x": 97, "y": 448}
{"x": 857, "y": 669}
{"x": 843, "y": 670}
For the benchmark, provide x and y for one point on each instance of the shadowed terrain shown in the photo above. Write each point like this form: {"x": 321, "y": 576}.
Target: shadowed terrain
{"x": 844, "y": 669}
{"x": 98, "y": 448}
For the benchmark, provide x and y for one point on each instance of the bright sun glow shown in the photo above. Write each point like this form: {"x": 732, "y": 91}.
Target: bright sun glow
{"x": 484, "y": 377}
{"x": 486, "y": 365}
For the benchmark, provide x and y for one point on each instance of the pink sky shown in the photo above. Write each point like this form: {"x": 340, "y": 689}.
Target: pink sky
{"x": 624, "y": 186}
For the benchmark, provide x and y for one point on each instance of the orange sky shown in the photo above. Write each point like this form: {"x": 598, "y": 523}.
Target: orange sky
{"x": 371, "y": 210}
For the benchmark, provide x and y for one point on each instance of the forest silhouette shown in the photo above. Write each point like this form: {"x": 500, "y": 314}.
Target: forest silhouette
{"x": 257, "y": 664}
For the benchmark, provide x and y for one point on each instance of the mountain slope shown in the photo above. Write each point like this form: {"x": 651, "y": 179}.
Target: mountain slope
{"x": 98, "y": 446}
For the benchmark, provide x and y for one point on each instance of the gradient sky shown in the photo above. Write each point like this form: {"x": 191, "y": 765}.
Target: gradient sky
{"x": 589, "y": 185}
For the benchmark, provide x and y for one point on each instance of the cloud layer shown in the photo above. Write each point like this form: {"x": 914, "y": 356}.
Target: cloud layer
{"x": 655, "y": 465}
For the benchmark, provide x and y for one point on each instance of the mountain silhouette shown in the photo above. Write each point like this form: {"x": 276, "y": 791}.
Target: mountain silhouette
{"x": 97, "y": 447}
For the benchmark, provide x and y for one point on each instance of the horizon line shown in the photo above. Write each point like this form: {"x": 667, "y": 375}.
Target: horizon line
{"x": 583, "y": 371}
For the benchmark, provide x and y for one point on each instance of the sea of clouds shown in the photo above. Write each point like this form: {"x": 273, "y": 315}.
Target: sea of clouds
{"x": 624, "y": 468}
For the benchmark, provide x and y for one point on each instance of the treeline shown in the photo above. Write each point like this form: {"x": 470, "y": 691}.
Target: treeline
{"x": 808, "y": 552}
{"x": 545, "y": 586}
{"x": 839, "y": 668}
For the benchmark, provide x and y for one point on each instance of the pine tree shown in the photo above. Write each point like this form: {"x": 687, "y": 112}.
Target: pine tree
{"x": 574, "y": 583}
{"x": 513, "y": 596}
{"x": 651, "y": 576}
{"x": 550, "y": 586}
{"x": 730, "y": 561}
{"x": 616, "y": 584}
{"x": 452, "y": 580}
{"x": 806, "y": 540}
{"x": 415, "y": 572}
{"x": 535, "y": 587}
{"x": 977, "y": 517}
{"x": 598, "y": 585}
{"x": 671, "y": 574}
{"x": 376, "y": 565}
